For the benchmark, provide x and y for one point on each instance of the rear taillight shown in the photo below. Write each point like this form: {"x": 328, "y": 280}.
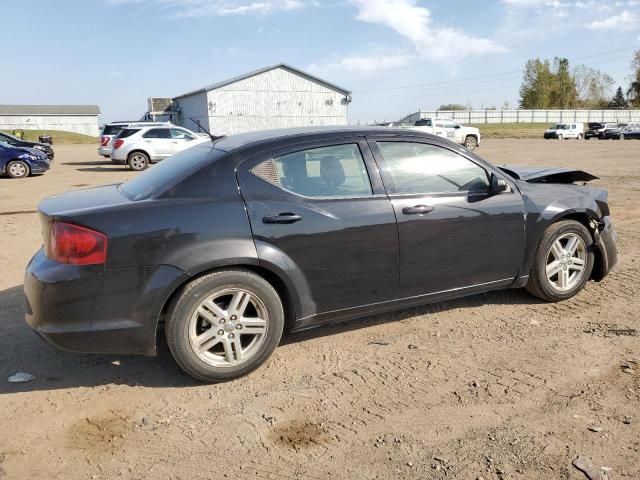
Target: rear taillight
{"x": 104, "y": 141}
{"x": 118, "y": 143}
{"x": 77, "y": 245}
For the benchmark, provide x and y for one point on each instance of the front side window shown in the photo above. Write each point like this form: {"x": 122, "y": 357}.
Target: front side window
{"x": 425, "y": 122}
{"x": 335, "y": 171}
{"x": 417, "y": 168}
{"x": 176, "y": 133}
{"x": 158, "y": 133}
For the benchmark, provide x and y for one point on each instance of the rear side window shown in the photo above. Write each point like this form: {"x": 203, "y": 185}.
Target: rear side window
{"x": 127, "y": 132}
{"x": 112, "y": 129}
{"x": 417, "y": 168}
{"x": 335, "y": 171}
{"x": 158, "y": 133}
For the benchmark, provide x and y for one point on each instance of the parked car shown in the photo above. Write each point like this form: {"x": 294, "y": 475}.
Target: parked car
{"x": 613, "y": 133}
{"x": 45, "y": 138}
{"x": 230, "y": 242}
{"x": 139, "y": 145}
{"x": 631, "y": 133}
{"x": 18, "y": 142}
{"x": 594, "y": 130}
{"x": 111, "y": 130}
{"x": 445, "y": 127}
{"x": 563, "y": 131}
{"x": 20, "y": 162}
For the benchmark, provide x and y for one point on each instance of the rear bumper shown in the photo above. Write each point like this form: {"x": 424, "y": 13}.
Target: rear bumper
{"x": 93, "y": 310}
{"x": 104, "y": 151}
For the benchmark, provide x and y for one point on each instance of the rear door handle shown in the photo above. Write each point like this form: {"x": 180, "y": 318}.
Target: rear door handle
{"x": 282, "y": 218}
{"x": 417, "y": 210}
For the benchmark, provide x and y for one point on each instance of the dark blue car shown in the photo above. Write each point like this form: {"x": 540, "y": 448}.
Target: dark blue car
{"x": 19, "y": 162}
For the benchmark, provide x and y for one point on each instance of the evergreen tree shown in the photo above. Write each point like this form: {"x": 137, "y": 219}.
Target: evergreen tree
{"x": 619, "y": 101}
{"x": 634, "y": 89}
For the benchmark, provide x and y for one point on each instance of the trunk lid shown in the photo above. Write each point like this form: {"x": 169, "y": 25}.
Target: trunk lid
{"x": 76, "y": 202}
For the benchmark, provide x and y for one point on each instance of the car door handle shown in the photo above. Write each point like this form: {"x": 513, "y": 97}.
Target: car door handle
{"x": 417, "y": 210}
{"x": 282, "y": 218}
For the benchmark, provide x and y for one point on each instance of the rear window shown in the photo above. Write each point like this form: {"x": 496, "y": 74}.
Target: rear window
{"x": 127, "y": 132}
{"x": 112, "y": 129}
{"x": 161, "y": 177}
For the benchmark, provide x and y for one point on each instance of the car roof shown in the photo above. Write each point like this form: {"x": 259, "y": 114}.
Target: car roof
{"x": 241, "y": 140}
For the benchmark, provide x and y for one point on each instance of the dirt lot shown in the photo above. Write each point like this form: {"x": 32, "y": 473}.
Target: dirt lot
{"x": 493, "y": 386}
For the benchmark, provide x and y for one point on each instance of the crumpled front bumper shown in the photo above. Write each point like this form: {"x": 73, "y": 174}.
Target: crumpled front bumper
{"x": 605, "y": 243}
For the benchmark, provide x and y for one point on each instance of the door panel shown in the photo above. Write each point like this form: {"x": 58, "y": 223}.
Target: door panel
{"x": 449, "y": 239}
{"x": 339, "y": 232}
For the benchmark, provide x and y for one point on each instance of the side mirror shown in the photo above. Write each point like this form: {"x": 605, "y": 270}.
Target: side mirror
{"x": 499, "y": 185}
{"x": 456, "y": 126}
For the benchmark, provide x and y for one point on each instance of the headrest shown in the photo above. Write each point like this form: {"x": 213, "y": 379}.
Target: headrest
{"x": 331, "y": 171}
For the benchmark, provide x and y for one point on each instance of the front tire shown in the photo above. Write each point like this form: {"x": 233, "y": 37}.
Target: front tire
{"x": 18, "y": 169}
{"x": 562, "y": 262}
{"x": 471, "y": 142}
{"x": 138, "y": 161}
{"x": 560, "y": 137}
{"x": 224, "y": 325}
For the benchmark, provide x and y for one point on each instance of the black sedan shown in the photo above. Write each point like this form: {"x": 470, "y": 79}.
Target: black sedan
{"x": 18, "y": 142}
{"x": 230, "y": 242}
{"x": 632, "y": 133}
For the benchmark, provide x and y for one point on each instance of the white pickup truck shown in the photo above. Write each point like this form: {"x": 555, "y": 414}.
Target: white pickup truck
{"x": 445, "y": 127}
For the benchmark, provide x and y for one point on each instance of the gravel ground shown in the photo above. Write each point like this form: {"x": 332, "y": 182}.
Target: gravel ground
{"x": 495, "y": 386}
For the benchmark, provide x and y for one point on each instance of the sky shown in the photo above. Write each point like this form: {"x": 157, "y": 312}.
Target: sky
{"x": 396, "y": 56}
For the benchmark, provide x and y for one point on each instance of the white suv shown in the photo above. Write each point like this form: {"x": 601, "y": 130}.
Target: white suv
{"x": 112, "y": 129}
{"x": 139, "y": 145}
{"x": 447, "y": 128}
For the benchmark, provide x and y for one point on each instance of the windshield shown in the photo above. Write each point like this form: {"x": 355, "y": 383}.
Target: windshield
{"x": 6, "y": 135}
{"x": 159, "y": 178}
{"x": 560, "y": 126}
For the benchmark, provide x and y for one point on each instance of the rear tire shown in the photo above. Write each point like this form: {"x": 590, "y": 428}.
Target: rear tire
{"x": 214, "y": 341}
{"x": 138, "y": 161}
{"x": 579, "y": 137}
{"x": 557, "y": 273}
{"x": 471, "y": 142}
{"x": 18, "y": 169}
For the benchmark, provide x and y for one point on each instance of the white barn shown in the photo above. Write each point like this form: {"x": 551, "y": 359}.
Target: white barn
{"x": 68, "y": 118}
{"x": 279, "y": 96}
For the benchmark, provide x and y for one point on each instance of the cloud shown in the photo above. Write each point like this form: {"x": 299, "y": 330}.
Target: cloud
{"x": 623, "y": 21}
{"x": 214, "y": 8}
{"x": 414, "y": 22}
{"x": 363, "y": 65}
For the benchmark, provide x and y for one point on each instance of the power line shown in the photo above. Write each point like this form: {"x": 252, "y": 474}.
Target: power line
{"x": 492, "y": 75}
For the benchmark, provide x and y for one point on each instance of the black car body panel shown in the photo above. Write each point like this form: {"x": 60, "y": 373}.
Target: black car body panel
{"x": 344, "y": 258}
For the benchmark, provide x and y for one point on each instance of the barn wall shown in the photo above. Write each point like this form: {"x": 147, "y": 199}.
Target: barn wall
{"x": 85, "y": 124}
{"x": 193, "y": 106}
{"x": 274, "y": 99}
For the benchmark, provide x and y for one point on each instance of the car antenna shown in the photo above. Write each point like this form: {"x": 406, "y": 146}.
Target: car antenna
{"x": 212, "y": 137}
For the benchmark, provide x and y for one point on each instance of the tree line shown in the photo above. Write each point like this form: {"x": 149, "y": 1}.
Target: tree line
{"x": 553, "y": 85}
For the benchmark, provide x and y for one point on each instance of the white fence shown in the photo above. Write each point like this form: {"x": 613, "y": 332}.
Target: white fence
{"x": 529, "y": 116}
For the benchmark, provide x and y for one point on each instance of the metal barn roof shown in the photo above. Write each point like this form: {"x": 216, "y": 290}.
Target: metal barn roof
{"x": 284, "y": 66}
{"x": 49, "y": 110}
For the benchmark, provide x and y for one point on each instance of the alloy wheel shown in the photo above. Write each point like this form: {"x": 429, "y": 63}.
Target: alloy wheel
{"x": 138, "y": 161}
{"x": 18, "y": 169}
{"x": 566, "y": 262}
{"x": 228, "y": 327}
